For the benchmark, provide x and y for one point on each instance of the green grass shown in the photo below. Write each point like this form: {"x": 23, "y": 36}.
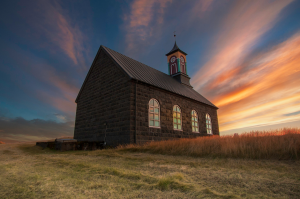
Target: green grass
{"x": 28, "y": 171}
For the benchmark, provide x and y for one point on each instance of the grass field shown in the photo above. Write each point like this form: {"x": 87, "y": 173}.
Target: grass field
{"x": 27, "y": 171}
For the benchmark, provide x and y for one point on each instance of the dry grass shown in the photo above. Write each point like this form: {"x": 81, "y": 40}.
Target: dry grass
{"x": 27, "y": 171}
{"x": 280, "y": 144}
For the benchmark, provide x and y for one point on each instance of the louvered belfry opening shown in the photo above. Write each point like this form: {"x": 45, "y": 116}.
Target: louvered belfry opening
{"x": 177, "y": 65}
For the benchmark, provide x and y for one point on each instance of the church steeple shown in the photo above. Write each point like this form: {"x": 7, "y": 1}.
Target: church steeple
{"x": 177, "y": 65}
{"x": 175, "y": 49}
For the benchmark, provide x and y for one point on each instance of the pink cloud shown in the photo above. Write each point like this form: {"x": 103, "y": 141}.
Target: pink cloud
{"x": 57, "y": 29}
{"x": 144, "y": 18}
{"x": 65, "y": 92}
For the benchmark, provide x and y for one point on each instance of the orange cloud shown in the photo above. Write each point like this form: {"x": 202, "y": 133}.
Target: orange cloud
{"x": 258, "y": 91}
{"x": 273, "y": 93}
{"x": 242, "y": 28}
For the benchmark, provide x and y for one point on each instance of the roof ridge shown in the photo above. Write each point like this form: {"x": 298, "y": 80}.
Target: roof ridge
{"x": 136, "y": 60}
{"x": 144, "y": 73}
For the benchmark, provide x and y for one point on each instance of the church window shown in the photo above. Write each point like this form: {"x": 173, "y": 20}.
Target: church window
{"x": 208, "y": 124}
{"x": 177, "y": 118}
{"x": 154, "y": 113}
{"x": 195, "y": 123}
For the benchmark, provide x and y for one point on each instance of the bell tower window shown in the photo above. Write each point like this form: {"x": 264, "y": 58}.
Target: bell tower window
{"x": 173, "y": 65}
{"x": 177, "y": 66}
{"x": 182, "y": 64}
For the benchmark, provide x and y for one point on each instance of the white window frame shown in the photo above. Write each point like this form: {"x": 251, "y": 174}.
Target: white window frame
{"x": 154, "y": 113}
{"x": 176, "y": 129}
{"x": 195, "y": 121}
{"x": 208, "y": 124}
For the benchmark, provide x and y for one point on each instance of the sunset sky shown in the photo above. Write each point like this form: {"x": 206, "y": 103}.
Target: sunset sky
{"x": 244, "y": 56}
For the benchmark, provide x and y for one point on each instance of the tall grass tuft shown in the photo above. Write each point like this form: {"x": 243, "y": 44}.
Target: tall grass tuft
{"x": 278, "y": 144}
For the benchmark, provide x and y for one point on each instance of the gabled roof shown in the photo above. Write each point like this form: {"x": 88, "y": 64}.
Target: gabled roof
{"x": 174, "y": 49}
{"x": 143, "y": 73}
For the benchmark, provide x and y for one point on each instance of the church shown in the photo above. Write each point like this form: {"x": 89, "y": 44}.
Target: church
{"x": 123, "y": 101}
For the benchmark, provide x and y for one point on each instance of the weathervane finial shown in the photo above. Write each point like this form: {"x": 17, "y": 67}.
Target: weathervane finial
{"x": 175, "y": 35}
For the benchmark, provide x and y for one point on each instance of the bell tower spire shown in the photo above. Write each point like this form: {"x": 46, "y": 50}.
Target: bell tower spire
{"x": 177, "y": 65}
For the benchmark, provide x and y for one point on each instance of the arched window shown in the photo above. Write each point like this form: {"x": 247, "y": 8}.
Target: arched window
{"x": 182, "y": 64}
{"x": 195, "y": 126}
{"x": 154, "y": 113}
{"x": 173, "y": 65}
{"x": 208, "y": 124}
{"x": 177, "y": 118}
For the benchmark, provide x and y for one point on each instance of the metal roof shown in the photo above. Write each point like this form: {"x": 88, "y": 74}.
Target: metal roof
{"x": 141, "y": 72}
{"x": 174, "y": 49}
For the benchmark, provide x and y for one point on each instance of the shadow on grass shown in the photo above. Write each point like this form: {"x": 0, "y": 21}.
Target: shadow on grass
{"x": 35, "y": 150}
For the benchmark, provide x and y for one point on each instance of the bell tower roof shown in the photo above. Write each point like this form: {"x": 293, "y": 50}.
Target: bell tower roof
{"x": 175, "y": 49}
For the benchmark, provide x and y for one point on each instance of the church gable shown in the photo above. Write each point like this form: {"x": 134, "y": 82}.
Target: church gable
{"x": 104, "y": 98}
{"x": 99, "y": 68}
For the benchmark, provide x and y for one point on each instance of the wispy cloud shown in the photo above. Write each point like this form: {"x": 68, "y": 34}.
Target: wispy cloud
{"x": 65, "y": 92}
{"x": 144, "y": 21}
{"x": 265, "y": 94}
{"x": 246, "y": 22}
{"x": 251, "y": 92}
{"x": 199, "y": 8}
{"x": 47, "y": 83}
{"x": 55, "y": 28}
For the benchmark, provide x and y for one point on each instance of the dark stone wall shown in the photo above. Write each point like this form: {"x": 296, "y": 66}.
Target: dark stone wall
{"x": 104, "y": 98}
{"x": 167, "y": 100}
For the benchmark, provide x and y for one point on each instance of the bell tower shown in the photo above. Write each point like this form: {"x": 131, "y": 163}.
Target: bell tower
{"x": 177, "y": 65}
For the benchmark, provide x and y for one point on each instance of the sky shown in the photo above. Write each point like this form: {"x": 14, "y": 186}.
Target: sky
{"x": 244, "y": 56}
